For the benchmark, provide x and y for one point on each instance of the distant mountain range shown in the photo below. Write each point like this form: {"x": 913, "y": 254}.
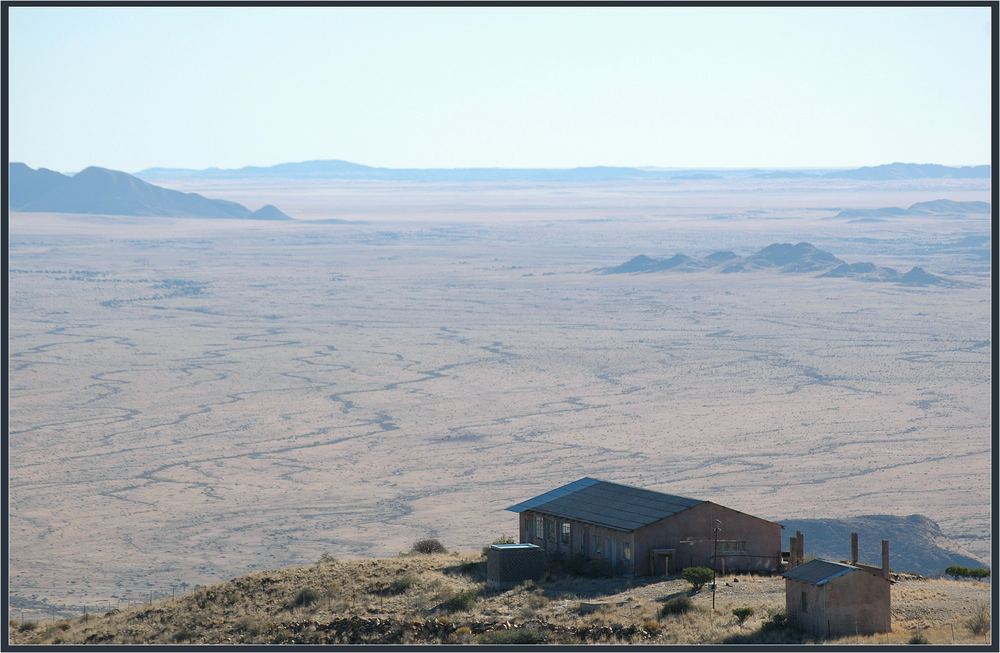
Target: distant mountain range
{"x": 916, "y": 544}
{"x": 336, "y": 169}
{"x": 779, "y": 257}
{"x": 933, "y": 208}
{"x": 893, "y": 171}
{"x": 111, "y": 192}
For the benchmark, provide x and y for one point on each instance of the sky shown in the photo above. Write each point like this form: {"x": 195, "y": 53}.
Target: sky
{"x": 136, "y": 87}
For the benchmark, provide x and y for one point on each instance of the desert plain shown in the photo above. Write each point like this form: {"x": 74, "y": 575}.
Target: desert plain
{"x": 191, "y": 400}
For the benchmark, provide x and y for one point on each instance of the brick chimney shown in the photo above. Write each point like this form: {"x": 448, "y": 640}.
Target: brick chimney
{"x": 885, "y": 559}
{"x": 791, "y": 552}
{"x": 854, "y": 548}
{"x": 800, "y": 542}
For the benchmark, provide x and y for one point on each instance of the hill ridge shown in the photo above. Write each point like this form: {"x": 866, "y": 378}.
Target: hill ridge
{"x": 97, "y": 190}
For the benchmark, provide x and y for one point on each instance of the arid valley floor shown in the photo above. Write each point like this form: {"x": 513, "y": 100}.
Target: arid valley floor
{"x": 192, "y": 400}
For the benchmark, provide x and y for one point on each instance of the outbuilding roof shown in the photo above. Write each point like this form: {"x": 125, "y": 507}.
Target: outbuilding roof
{"x": 621, "y": 507}
{"x": 819, "y": 572}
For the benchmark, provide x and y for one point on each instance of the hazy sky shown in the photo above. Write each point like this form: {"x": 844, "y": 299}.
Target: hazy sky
{"x": 131, "y": 88}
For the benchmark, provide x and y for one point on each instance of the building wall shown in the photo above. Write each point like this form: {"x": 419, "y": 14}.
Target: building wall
{"x": 582, "y": 539}
{"x": 761, "y": 548}
{"x": 758, "y": 540}
{"x": 856, "y": 603}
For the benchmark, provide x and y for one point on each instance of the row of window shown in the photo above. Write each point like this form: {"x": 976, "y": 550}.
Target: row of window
{"x": 598, "y": 544}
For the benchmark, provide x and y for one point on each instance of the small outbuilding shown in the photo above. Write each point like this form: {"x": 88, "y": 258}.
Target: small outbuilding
{"x": 508, "y": 565}
{"x": 837, "y": 599}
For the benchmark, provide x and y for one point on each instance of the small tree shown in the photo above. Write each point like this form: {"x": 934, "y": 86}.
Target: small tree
{"x": 742, "y": 614}
{"x": 956, "y": 572}
{"x": 697, "y": 576}
{"x": 979, "y": 573}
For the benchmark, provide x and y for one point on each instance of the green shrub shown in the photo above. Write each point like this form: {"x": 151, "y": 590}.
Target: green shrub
{"x": 464, "y": 600}
{"x": 676, "y": 605}
{"x": 599, "y": 568}
{"x": 514, "y": 636}
{"x": 775, "y": 621}
{"x": 400, "y": 584}
{"x": 26, "y": 626}
{"x": 503, "y": 539}
{"x": 742, "y": 614}
{"x": 428, "y": 546}
{"x": 306, "y": 597}
{"x": 917, "y": 638}
{"x": 979, "y": 622}
{"x": 697, "y": 576}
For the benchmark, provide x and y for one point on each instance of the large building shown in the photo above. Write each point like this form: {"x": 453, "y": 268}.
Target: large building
{"x": 642, "y": 532}
{"x": 835, "y": 599}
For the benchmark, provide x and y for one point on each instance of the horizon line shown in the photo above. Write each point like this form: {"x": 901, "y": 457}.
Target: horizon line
{"x": 525, "y": 167}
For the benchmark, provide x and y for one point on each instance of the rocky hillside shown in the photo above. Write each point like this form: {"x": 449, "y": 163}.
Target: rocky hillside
{"x": 916, "y": 543}
{"x": 442, "y": 599}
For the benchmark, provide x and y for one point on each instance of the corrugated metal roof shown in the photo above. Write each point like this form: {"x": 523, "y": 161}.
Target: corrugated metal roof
{"x": 818, "y": 572}
{"x": 621, "y": 507}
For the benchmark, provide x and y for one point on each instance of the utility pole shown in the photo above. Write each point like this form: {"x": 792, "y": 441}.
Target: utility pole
{"x": 715, "y": 559}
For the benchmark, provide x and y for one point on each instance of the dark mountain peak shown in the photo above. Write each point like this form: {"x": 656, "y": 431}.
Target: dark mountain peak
{"x": 269, "y": 212}
{"x": 800, "y": 257}
{"x": 917, "y": 276}
{"x": 720, "y": 257}
{"x": 784, "y": 257}
{"x": 640, "y": 263}
{"x": 863, "y": 271}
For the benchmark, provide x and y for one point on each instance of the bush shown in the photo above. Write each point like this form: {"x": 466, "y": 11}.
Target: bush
{"x": 742, "y": 614}
{"x": 400, "y": 584}
{"x": 979, "y": 622}
{"x": 697, "y": 576}
{"x": 514, "y": 636}
{"x": 676, "y": 605}
{"x": 917, "y": 638}
{"x": 306, "y": 597}
{"x": 26, "y": 626}
{"x": 775, "y": 621}
{"x": 464, "y": 600}
{"x": 428, "y": 546}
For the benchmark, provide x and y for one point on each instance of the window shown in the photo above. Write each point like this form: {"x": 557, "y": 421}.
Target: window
{"x": 733, "y": 546}
{"x": 565, "y": 532}
{"x": 805, "y": 606}
{"x": 598, "y": 545}
{"x": 550, "y": 525}
{"x": 539, "y": 527}
{"x": 626, "y": 551}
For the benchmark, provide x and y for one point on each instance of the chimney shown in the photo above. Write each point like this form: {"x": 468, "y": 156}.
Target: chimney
{"x": 791, "y": 552}
{"x": 800, "y": 541}
{"x": 854, "y": 548}
{"x": 885, "y": 559}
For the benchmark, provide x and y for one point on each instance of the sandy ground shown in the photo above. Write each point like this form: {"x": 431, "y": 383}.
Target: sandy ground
{"x": 191, "y": 400}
